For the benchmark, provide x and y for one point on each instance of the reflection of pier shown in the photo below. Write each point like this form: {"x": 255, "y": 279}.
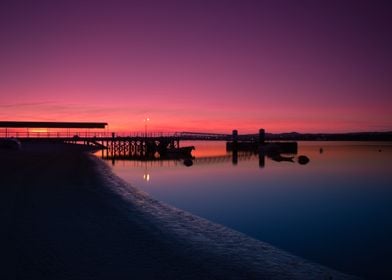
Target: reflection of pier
{"x": 233, "y": 157}
{"x": 244, "y": 156}
{"x": 205, "y": 160}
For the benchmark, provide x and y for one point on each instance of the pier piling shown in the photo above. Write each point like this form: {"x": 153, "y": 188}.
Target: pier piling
{"x": 235, "y": 147}
{"x": 261, "y": 136}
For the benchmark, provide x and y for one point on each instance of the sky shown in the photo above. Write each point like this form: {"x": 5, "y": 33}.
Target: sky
{"x": 207, "y": 66}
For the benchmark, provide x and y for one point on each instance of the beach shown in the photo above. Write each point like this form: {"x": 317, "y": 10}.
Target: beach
{"x": 65, "y": 215}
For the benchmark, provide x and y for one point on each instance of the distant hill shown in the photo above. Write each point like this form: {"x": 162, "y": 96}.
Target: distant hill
{"x": 355, "y": 136}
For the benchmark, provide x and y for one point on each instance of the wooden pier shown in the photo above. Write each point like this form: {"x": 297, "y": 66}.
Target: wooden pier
{"x": 139, "y": 145}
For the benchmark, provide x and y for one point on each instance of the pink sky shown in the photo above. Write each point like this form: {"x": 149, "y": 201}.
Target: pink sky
{"x": 306, "y": 66}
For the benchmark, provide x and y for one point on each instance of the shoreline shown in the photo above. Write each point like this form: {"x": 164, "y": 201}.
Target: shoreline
{"x": 68, "y": 216}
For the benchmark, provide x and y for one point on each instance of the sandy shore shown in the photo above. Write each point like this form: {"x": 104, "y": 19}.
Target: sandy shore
{"x": 65, "y": 215}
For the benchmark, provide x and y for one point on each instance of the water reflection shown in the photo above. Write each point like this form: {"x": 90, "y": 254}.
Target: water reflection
{"x": 184, "y": 155}
{"x": 234, "y": 157}
{"x": 334, "y": 210}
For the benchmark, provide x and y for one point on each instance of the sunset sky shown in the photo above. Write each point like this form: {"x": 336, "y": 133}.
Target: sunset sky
{"x": 306, "y": 66}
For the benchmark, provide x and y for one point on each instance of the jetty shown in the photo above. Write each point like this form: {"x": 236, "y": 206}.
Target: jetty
{"x": 95, "y": 135}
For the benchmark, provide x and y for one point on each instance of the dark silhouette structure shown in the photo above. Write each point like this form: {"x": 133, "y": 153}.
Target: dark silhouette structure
{"x": 144, "y": 146}
{"x": 23, "y": 124}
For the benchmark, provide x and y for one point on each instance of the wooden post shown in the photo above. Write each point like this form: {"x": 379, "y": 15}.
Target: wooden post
{"x": 235, "y": 147}
{"x": 235, "y": 137}
{"x": 261, "y": 136}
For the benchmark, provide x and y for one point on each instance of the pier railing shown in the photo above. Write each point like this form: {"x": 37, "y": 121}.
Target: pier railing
{"x": 97, "y": 135}
{"x": 82, "y": 134}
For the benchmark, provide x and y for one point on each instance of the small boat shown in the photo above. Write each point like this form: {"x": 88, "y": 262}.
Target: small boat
{"x": 303, "y": 159}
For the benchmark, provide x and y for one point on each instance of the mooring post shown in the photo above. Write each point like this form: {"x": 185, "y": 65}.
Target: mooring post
{"x": 261, "y": 143}
{"x": 112, "y": 144}
{"x": 235, "y": 136}
{"x": 261, "y": 136}
{"x": 235, "y": 147}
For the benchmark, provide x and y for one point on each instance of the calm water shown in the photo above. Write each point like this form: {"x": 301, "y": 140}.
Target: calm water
{"x": 335, "y": 210}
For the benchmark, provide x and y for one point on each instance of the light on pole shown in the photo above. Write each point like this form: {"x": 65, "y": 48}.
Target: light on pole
{"x": 146, "y": 120}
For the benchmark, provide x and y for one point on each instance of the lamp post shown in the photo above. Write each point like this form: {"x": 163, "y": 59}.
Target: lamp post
{"x": 145, "y": 126}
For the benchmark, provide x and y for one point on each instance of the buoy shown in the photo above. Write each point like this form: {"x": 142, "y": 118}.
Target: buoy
{"x": 303, "y": 159}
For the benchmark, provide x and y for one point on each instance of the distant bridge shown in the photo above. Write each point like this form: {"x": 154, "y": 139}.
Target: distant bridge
{"x": 200, "y": 136}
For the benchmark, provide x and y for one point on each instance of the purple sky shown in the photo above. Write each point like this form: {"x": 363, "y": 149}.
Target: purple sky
{"x": 307, "y": 66}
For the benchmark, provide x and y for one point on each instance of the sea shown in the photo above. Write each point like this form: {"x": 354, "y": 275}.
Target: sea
{"x": 334, "y": 210}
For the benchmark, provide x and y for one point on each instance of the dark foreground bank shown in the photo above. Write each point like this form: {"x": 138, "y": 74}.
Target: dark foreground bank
{"x": 64, "y": 215}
